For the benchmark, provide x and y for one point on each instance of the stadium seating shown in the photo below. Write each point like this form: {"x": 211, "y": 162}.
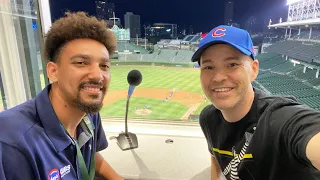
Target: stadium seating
{"x": 149, "y": 57}
{"x": 126, "y": 46}
{"x": 304, "y": 51}
{"x": 166, "y": 55}
{"x": 304, "y": 35}
{"x": 280, "y": 76}
{"x": 267, "y": 56}
{"x": 313, "y": 102}
{"x": 183, "y": 56}
{"x": 187, "y": 39}
{"x": 308, "y": 75}
{"x": 163, "y": 43}
{"x": 196, "y": 38}
{"x": 272, "y": 62}
{"x": 314, "y": 81}
{"x": 163, "y": 55}
{"x": 285, "y": 67}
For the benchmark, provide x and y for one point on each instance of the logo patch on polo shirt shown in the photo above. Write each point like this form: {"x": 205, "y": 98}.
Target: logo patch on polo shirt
{"x": 65, "y": 170}
{"x": 54, "y": 174}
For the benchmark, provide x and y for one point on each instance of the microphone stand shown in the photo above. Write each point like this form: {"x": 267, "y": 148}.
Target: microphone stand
{"x": 127, "y": 140}
{"x": 126, "y": 116}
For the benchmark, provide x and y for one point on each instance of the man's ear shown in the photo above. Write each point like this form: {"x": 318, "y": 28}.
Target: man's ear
{"x": 255, "y": 69}
{"x": 52, "y": 71}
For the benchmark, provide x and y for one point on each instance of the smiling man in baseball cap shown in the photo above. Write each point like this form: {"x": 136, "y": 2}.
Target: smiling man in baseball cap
{"x": 238, "y": 38}
{"x": 251, "y": 135}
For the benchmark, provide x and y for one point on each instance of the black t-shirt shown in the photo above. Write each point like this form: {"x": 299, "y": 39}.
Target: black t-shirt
{"x": 269, "y": 143}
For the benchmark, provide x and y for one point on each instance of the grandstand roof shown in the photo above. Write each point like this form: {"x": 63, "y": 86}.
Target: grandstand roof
{"x": 162, "y": 24}
{"x": 296, "y": 23}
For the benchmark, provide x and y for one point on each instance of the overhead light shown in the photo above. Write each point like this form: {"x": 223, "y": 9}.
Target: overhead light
{"x": 292, "y": 1}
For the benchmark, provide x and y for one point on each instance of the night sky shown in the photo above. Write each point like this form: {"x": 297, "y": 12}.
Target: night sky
{"x": 203, "y": 15}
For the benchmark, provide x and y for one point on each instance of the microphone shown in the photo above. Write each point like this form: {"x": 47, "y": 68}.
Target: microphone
{"x": 129, "y": 140}
{"x": 134, "y": 78}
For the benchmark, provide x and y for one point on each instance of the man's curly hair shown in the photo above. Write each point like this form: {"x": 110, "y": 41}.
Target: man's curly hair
{"x": 75, "y": 26}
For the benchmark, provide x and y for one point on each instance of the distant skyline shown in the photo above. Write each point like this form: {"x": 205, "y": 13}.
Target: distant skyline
{"x": 203, "y": 15}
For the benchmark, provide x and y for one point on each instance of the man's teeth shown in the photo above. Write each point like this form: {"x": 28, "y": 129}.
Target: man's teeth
{"x": 92, "y": 89}
{"x": 222, "y": 90}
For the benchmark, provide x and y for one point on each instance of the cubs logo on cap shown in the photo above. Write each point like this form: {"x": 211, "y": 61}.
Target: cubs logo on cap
{"x": 218, "y": 32}
{"x": 236, "y": 37}
{"x": 54, "y": 174}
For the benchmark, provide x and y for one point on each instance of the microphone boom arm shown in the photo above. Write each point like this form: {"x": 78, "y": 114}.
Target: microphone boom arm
{"x": 126, "y": 116}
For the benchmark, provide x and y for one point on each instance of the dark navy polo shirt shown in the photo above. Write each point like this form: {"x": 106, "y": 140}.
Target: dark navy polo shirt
{"x": 35, "y": 146}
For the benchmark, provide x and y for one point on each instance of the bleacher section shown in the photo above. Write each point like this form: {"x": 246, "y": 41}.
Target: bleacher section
{"x": 187, "y": 39}
{"x": 183, "y": 56}
{"x": 285, "y": 67}
{"x": 271, "y": 63}
{"x": 174, "y": 43}
{"x": 308, "y": 75}
{"x": 267, "y": 56}
{"x": 303, "y": 51}
{"x": 163, "y": 55}
{"x": 126, "y": 46}
{"x": 149, "y": 57}
{"x": 163, "y": 43}
{"x": 275, "y": 63}
{"x": 166, "y": 55}
{"x": 313, "y": 102}
{"x": 191, "y": 39}
{"x": 314, "y": 82}
{"x": 305, "y": 35}
{"x": 195, "y": 39}
{"x": 280, "y": 76}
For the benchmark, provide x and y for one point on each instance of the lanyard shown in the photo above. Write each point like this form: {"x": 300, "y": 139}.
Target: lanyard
{"x": 85, "y": 173}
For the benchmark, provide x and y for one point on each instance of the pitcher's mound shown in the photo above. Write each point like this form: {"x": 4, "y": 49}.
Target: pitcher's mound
{"x": 143, "y": 111}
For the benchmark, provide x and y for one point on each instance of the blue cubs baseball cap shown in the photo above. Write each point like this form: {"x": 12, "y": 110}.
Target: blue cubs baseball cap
{"x": 236, "y": 37}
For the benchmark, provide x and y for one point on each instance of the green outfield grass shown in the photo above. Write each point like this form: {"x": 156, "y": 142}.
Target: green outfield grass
{"x": 160, "y": 110}
{"x": 158, "y": 77}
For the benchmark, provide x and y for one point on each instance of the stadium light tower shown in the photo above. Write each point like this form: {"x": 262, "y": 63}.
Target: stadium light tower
{"x": 303, "y": 9}
{"x": 292, "y": 1}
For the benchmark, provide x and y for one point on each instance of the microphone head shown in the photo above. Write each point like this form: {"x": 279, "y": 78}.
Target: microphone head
{"x": 134, "y": 78}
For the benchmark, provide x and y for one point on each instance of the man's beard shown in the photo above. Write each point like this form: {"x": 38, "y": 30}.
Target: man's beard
{"x": 88, "y": 107}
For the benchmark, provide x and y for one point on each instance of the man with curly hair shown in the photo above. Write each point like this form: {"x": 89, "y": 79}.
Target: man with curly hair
{"x": 58, "y": 134}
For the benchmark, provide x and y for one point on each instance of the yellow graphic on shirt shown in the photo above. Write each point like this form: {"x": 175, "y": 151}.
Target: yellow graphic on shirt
{"x": 231, "y": 170}
{"x": 229, "y": 153}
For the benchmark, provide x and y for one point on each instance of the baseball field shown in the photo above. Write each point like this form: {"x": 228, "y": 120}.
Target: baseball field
{"x": 164, "y": 93}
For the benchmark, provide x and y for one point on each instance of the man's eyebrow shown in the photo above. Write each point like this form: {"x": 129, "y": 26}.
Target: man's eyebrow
{"x": 104, "y": 59}
{"x": 87, "y": 57}
{"x": 82, "y": 56}
{"x": 205, "y": 61}
{"x": 229, "y": 58}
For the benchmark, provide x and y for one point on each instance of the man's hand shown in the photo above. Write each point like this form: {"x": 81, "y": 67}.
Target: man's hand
{"x": 312, "y": 151}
